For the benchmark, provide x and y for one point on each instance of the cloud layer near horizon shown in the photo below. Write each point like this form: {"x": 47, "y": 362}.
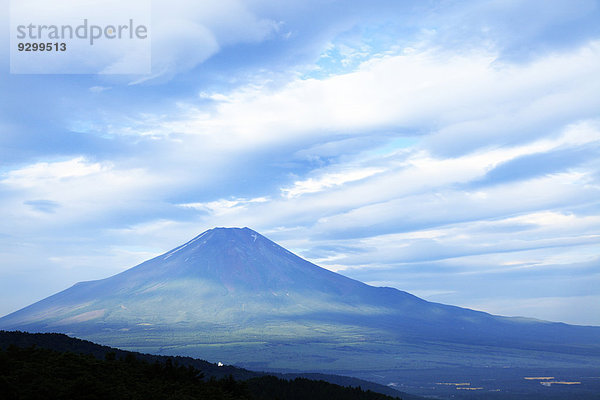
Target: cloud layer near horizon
{"x": 428, "y": 148}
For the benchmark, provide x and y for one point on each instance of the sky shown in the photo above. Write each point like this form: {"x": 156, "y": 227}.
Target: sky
{"x": 450, "y": 149}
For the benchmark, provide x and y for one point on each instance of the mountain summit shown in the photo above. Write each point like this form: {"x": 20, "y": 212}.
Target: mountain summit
{"x": 231, "y": 294}
{"x": 244, "y": 260}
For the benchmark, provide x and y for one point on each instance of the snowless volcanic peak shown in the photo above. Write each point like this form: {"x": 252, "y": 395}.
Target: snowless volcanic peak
{"x": 223, "y": 274}
{"x": 242, "y": 259}
{"x": 233, "y": 293}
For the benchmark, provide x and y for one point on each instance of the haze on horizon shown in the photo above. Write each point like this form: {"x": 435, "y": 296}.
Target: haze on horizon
{"x": 446, "y": 148}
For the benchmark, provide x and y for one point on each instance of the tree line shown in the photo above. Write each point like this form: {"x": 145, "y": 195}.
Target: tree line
{"x": 39, "y": 373}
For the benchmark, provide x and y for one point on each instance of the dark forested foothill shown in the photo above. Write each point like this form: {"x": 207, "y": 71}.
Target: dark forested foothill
{"x": 36, "y": 373}
{"x": 39, "y": 373}
{"x": 270, "y": 387}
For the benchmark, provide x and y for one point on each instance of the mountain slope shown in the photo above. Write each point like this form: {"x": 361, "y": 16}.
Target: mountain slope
{"x": 232, "y": 295}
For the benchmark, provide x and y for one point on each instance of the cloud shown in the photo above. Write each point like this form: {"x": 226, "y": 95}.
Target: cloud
{"x": 99, "y": 89}
{"x": 413, "y": 189}
{"x": 186, "y": 33}
{"x": 498, "y": 237}
{"x": 222, "y": 206}
{"x": 524, "y": 29}
{"x": 86, "y": 191}
{"x": 179, "y": 45}
{"x": 45, "y": 206}
{"x": 449, "y": 206}
{"x": 538, "y": 164}
{"x": 570, "y": 309}
{"x": 465, "y": 100}
{"x": 44, "y": 173}
{"x": 328, "y": 180}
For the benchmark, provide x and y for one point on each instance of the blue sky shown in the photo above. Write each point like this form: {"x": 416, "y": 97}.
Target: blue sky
{"x": 446, "y": 148}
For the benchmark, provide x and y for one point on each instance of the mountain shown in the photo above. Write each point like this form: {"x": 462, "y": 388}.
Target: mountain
{"x": 234, "y": 296}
